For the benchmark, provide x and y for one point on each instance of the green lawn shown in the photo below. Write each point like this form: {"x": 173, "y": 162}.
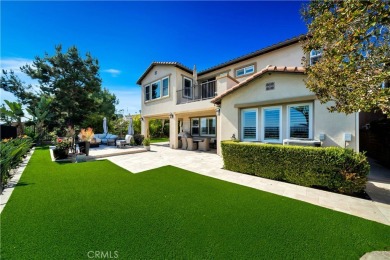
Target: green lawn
{"x": 159, "y": 139}
{"x": 64, "y": 211}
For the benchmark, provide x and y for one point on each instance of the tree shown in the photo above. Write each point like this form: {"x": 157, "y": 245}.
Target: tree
{"x": 41, "y": 114}
{"x": 355, "y": 64}
{"x": 14, "y": 113}
{"x": 72, "y": 82}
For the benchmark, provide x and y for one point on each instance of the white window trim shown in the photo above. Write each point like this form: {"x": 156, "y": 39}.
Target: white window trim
{"x": 245, "y": 69}
{"x": 147, "y": 100}
{"x": 242, "y": 124}
{"x": 191, "y": 90}
{"x": 151, "y": 90}
{"x": 162, "y": 87}
{"x": 310, "y": 118}
{"x": 311, "y": 57}
{"x": 280, "y": 125}
{"x": 200, "y": 126}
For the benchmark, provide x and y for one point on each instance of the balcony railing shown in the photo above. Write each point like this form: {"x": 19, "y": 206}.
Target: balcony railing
{"x": 197, "y": 92}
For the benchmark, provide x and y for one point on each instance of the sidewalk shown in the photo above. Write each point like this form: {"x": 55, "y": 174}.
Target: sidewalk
{"x": 210, "y": 164}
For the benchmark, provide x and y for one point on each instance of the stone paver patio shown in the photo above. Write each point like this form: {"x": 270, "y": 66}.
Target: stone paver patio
{"x": 210, "y": 164}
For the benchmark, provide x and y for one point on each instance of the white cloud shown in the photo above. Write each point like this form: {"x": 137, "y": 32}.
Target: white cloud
{"x": 129, "y": 100}
{"x": 14, "y": 64}
{"x": 113, "y": 72}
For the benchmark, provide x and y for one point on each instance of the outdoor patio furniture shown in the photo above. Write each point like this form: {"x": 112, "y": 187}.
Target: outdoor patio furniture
{"x": 192, "y": 145}
{"x": 183, "y": 143}
{"x": 120, "y": 143}
{"x": 204, "y": 145}
{"x": 108, "y": 139}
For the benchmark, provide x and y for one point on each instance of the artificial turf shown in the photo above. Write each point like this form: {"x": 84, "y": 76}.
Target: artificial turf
{"x": 64, "y": 211}
{"x": 159, "y": 139}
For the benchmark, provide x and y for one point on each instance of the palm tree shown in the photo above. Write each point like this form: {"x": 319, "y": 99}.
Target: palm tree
{"x": 12, "y": 114}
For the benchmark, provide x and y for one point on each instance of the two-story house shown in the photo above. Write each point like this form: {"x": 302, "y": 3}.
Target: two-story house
{"x": 258, "y": 97}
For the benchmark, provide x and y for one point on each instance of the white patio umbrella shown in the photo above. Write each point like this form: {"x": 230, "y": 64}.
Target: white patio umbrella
{"x": 105, "y": 128}
{"x": 130, "y": 129}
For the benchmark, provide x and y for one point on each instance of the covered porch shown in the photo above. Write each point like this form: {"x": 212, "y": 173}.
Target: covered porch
{"x": 197, "y": 126}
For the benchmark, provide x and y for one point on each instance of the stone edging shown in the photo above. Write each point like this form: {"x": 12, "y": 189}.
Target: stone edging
{"x": 13, "y": 181}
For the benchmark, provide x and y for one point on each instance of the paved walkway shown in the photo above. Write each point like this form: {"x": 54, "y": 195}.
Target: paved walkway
{"x": 210, "y": 164}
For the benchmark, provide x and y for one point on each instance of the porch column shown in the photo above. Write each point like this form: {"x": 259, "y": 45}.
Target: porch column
{"x": 145, "y": 127}
{"x": 219, "y": 130}
{"x": 173, "y": 132}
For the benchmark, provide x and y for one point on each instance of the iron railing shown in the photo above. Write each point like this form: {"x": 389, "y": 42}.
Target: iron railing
{"x": 199, "y": 92}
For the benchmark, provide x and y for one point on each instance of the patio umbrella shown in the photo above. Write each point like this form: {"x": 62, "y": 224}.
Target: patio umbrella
{"x": 130, "y": 130}
{"x": 105, "y": 128}
{"x": 181, "y": 126}
{"x": 195, "y": 76}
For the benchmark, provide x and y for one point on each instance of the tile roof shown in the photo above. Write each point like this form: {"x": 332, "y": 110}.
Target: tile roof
{"x": 255, "y": 53}
{"x": 154, "y": 63}
{"x": 267, "y": 69}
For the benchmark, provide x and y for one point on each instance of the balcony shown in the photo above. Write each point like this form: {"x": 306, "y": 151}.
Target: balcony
{"x": 195, "y": 93}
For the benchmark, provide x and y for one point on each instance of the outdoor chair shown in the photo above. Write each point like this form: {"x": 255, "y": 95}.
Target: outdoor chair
{"x": 128, "y": 139}
{"x": 191, "y": 144}
{"x": 204, "y": 145}
{"x": 184, "y": 143}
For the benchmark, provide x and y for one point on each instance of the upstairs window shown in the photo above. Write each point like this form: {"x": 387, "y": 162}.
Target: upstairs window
{"x": 245, "y": 71}
{"x": 315, "y": 56}
{"x": 147, "y": 92}
{"x": 165, "y": 87}
{"x": 157, "y": 89}
{"x": 187, "y": 87}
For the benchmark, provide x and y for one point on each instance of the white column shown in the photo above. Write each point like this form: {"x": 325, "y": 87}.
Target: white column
{"x": 219, "y": 131}
{"x": 173, "y": 132}
{"x": 145, "y": 127}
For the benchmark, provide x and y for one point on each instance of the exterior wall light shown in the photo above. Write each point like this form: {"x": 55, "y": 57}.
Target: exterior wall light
{"x": 170, "y": 115}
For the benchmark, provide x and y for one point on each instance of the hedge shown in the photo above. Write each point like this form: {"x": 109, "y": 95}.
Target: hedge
{"x": 12, "y": 152}
{"x": 337, "y": 169}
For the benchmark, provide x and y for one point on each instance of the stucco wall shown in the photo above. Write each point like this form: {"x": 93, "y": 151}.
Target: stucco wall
{"x": 289, "y": 89}
{"x": 286, "y": 56}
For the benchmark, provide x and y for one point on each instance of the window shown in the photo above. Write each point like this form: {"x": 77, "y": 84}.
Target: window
{"x": 208, "y": 126}
{"x": 272, "y": 130}
{"x": 244, "y": 71}
{"x": 156, "y": 91}
{"x": 315, "y": 56}
{"x": 249, "y": 124}
{"x": 187, "y": 87}
{"x": 195, "y": 126}
{"x": 203, "y": 126}
{"x": 300, "y": 121}
{"x": 147, "y": 92}
{"x": 165, "y": 87}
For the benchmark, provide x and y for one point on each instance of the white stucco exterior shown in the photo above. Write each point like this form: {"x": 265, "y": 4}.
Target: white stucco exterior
{"x": 289, "y": 90}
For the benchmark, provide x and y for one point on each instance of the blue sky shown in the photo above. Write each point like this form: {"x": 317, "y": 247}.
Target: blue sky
{"x": 127, "y": 36}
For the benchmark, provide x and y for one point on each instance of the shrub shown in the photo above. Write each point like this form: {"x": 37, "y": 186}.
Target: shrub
{"x": 336, "y": 169}
{"x": 138, "y": 139}
{"x": 146, "y": 142}
{"x": 12, "y": 152}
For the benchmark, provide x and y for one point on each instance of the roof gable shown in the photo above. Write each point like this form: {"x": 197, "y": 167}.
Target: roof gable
{"x": 154, "y": 63}
{"x": 269, "y": 68}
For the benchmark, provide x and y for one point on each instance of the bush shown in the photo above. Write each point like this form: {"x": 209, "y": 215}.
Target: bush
{"x": 12, "y": 152}
{"x": 336, "y": 169}
{"x": 138, "y": 139}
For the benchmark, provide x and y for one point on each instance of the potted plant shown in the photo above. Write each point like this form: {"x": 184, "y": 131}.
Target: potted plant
{"x": 146, "y": 143}
{"x": 85, "y": 138}
{"x": 61, "y": 151}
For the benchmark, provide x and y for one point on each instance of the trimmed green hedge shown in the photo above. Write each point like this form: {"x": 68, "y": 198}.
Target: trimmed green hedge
{"x": 336, "y": 169}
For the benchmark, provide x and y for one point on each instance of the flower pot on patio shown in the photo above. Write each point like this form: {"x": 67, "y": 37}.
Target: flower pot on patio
{"x": 147, "y": 147}
{"x": 81, "y": 158}
{"x": 60, "y": 153}
{"x": 84, "y": 147}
